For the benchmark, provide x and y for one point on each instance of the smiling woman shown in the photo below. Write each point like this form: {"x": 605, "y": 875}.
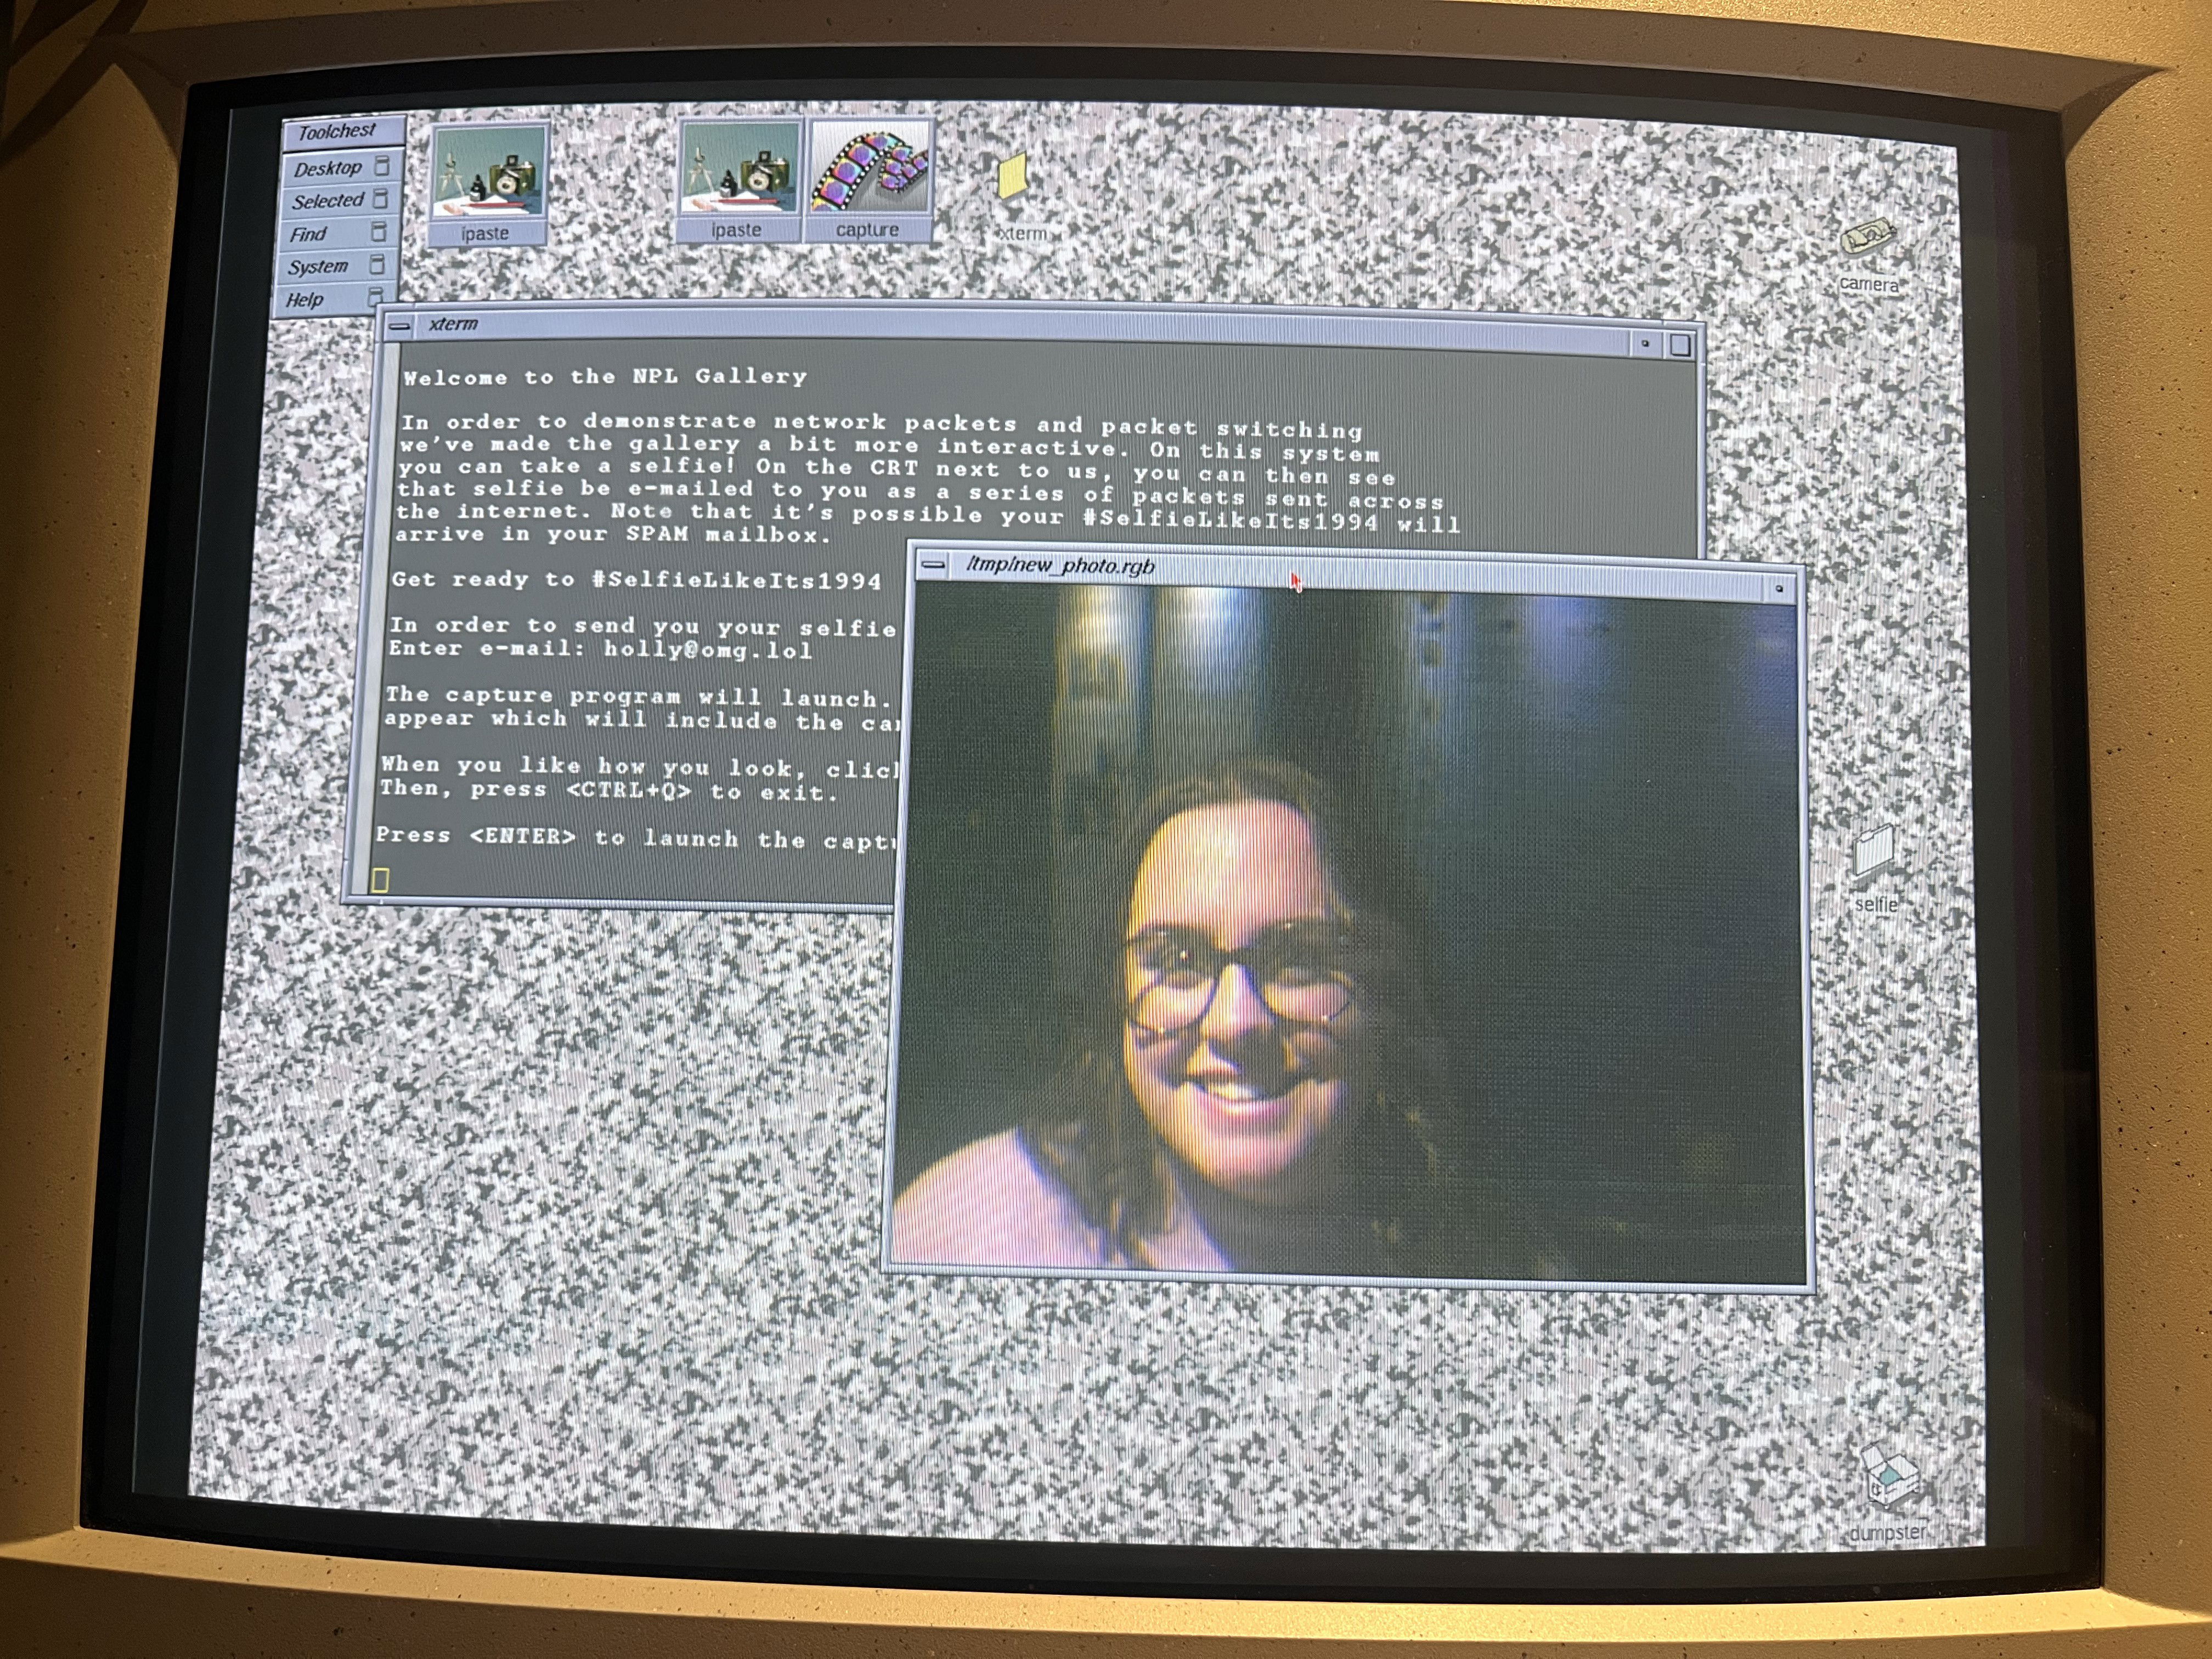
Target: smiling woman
{"x": 1256, "y": 1087}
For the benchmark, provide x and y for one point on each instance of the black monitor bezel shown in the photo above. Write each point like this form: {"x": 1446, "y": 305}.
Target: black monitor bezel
{"x": 2035, "y": 935}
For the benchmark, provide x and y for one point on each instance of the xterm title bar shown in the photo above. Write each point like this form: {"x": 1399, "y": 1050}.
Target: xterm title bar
{"x": 1435, "y": 330}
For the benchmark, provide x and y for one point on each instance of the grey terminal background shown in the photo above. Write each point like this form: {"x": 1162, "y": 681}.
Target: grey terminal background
{"x": 637, "y": 586}
{"x": 572, "y": 1214}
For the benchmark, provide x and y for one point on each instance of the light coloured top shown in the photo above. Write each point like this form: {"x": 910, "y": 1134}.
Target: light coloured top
{"x": 989, "y": 1205}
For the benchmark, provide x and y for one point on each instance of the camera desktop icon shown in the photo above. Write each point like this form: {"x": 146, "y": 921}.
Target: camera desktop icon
{"x": 1888, "y": 1479}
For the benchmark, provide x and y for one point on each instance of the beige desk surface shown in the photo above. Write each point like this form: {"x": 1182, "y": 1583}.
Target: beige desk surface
{"x": 94, "y": 94}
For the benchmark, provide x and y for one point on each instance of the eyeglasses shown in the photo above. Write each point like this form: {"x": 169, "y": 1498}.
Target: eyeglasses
{"x": 1298, "y": 967}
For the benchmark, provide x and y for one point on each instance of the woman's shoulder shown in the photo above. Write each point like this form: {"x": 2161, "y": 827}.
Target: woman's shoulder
{"x": 989, "y": 1205}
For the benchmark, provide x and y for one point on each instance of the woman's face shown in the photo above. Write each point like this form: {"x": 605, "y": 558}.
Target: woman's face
{"x": 1247, "y": 1099}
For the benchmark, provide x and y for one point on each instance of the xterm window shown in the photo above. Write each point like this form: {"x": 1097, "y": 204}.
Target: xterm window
{"x": 632, "y": 597}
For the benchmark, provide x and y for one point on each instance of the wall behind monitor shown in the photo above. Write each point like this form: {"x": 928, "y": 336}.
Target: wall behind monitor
{"x": 87, "y": 195}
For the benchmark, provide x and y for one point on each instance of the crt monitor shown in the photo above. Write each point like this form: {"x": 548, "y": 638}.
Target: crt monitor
{"x": 1139, "y": 823}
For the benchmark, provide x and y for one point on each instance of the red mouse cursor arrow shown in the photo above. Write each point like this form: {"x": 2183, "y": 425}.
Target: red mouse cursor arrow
{"x": 1297, "y": 583}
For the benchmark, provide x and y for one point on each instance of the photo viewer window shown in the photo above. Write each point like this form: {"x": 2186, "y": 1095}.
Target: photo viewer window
{"x": 1604, "y": 755}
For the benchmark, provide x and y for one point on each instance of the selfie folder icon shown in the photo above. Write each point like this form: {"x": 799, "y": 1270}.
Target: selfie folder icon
{"x": 1874, "y": 852}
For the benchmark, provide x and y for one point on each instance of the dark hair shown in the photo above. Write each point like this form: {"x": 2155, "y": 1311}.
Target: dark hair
{"x": 1088, "y": 1130}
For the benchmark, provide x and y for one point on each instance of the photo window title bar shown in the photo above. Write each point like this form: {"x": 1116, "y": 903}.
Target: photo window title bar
{"x": 1176, "y": 565}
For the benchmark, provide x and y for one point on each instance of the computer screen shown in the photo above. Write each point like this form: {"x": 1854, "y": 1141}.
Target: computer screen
{"x": 1145, "y": 832}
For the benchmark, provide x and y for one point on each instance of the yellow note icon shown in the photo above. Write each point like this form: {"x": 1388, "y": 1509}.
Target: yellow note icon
{"x": 1013, "y": 175}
